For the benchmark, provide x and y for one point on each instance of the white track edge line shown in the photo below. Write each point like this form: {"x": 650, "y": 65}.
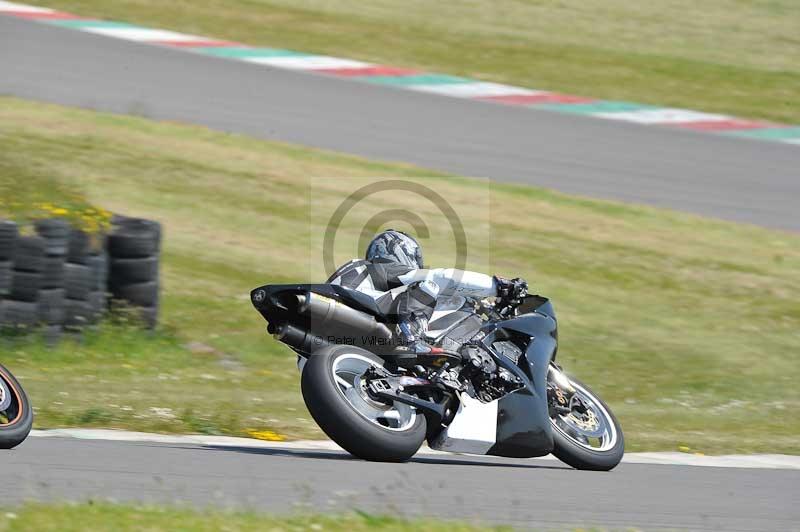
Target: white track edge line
{"x": 754, "y": 461}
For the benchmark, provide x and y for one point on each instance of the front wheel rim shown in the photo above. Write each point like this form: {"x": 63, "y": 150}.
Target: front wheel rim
{"x": 347, "y": 371}
{"x": 589, "y": 424}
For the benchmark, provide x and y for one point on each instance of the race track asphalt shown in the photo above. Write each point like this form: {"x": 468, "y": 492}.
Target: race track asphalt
{"x": 490, "y": 490}
{"x": 737, "y": 179}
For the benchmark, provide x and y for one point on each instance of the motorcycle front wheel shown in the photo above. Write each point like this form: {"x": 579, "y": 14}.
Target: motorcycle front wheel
{"x": 336, "y": 396}
{"x": 589, "y": 437}
{"x": 16, "y": 414}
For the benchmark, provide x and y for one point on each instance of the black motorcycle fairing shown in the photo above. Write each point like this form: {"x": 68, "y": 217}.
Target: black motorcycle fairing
{"x": 523, "y": 421}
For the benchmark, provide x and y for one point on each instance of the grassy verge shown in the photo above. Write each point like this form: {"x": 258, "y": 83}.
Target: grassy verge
{"x": 122, "y": 518}
{"x": 687, "y": 326}
{"x": 719, "y": 55}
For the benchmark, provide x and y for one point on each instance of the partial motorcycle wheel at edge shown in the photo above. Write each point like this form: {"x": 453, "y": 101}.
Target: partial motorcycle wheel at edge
{"x": 337, "y": 400}
{"x": 16, "y": 414}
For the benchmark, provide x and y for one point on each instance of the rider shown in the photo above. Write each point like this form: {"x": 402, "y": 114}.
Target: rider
{"x": 393, "y": 274}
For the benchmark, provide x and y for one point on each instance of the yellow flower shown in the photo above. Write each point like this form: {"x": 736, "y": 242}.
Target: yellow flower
{"x": 266, "y": 435}
{"x": 59, "y": 211}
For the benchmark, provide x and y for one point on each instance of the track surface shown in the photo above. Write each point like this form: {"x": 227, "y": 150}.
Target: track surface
{"x": 518, "y": 492}
{"x": 738, "y": 179}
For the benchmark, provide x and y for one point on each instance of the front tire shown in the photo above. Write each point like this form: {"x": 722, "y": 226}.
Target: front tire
{"x": 335, "y": 397}
{"x": 575, "y": 448}
{"x": 16, "y": 414}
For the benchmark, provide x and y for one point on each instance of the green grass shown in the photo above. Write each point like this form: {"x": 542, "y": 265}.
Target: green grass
{"x": 124, "y": 518}
{"x": 688, "y": 327}
{"x": 730, "y": 56}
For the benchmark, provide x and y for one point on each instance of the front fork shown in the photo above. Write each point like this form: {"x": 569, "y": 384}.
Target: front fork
{"x": 559, "y": 391}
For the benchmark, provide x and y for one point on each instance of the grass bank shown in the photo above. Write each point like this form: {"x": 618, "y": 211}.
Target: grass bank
{"x": 689, "y": 327}
{"x": 723, "y": 56}
{"x": 124, "y": 518}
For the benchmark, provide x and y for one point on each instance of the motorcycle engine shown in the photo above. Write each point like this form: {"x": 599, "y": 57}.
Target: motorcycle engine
{"x": 486, "y": 379}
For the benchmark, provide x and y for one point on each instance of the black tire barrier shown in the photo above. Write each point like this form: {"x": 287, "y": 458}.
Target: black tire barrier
{"x": 5, "y": 278}
{"x": 53, "y": 272}
{"x": 149, "y": 316}
{"x": 131, "y": 271}
{"x": 78, "y": 247}
{"x": 18, "y": 314}
{"x": 135, "y": 239}
{"x": 139, "y": 294}
{"x": 8, "y": 239}
{"x": 77, "y": 281}
{"x": 136, "y": 224}
{"x": 133, "y": 249}
{"x": 99, "y": 266}
{"x": 51, "y": 306}
{"x": 55, "y": 280}
{"x": 29, "y": 254}
{"x": 56, "y": 233}
{"x": 98, "y": 305}
{"x": 77, "y": 313}
{"x": 24, "y": 286}
{"x": 52, "y": 334}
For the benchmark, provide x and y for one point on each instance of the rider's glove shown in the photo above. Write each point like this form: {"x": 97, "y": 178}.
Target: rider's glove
{"x": 511, "y": 290}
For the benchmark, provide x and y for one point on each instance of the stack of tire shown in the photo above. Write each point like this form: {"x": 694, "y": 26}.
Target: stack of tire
{"x": 59, "y": 280}
{"x": 21, "y": 260}
{"x": 52, "y": 293}
{"x": 133, "y": 247}
{"x": 85, "y": 280}
{"x": 53, "y": 279}
{"x": 23, "y": 277}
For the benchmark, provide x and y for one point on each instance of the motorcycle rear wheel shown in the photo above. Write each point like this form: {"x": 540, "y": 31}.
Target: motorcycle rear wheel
{"x": 16, "y": 414}
{"x": 571, "y": 445}
{"x": 336, "y": 398}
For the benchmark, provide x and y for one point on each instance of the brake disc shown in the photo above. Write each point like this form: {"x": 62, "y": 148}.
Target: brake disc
{"x": 584, "y": 419}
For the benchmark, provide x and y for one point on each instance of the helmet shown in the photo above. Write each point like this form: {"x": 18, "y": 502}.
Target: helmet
{"x": 397, "y": 247}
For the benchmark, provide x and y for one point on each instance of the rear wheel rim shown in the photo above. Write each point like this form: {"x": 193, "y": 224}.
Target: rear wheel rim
{"x": 590, "y": 424}
{"x": 347, "y": 371}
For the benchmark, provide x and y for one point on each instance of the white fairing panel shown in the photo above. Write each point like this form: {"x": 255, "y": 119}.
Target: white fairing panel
{"x": 473, "y": 430}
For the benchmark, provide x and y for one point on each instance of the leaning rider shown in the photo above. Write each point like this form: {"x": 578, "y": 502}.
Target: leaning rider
{"x": 393, "y": 274}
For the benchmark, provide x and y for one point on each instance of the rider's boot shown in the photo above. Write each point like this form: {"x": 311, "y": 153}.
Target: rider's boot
{"x": 411, "y": 335}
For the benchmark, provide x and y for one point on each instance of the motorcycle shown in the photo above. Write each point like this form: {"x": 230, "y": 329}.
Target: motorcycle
{"x": 16, "y": 414}
{"x": 490, "y": 386}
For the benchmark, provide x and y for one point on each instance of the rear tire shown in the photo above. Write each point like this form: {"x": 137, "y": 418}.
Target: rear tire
{"x": 343, "y": 423}
{"x": 17, "y": 419}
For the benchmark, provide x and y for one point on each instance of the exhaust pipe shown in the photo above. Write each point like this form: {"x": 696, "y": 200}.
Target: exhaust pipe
{"x": 328, "y": 321}
{"x": 298, "y": 338}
